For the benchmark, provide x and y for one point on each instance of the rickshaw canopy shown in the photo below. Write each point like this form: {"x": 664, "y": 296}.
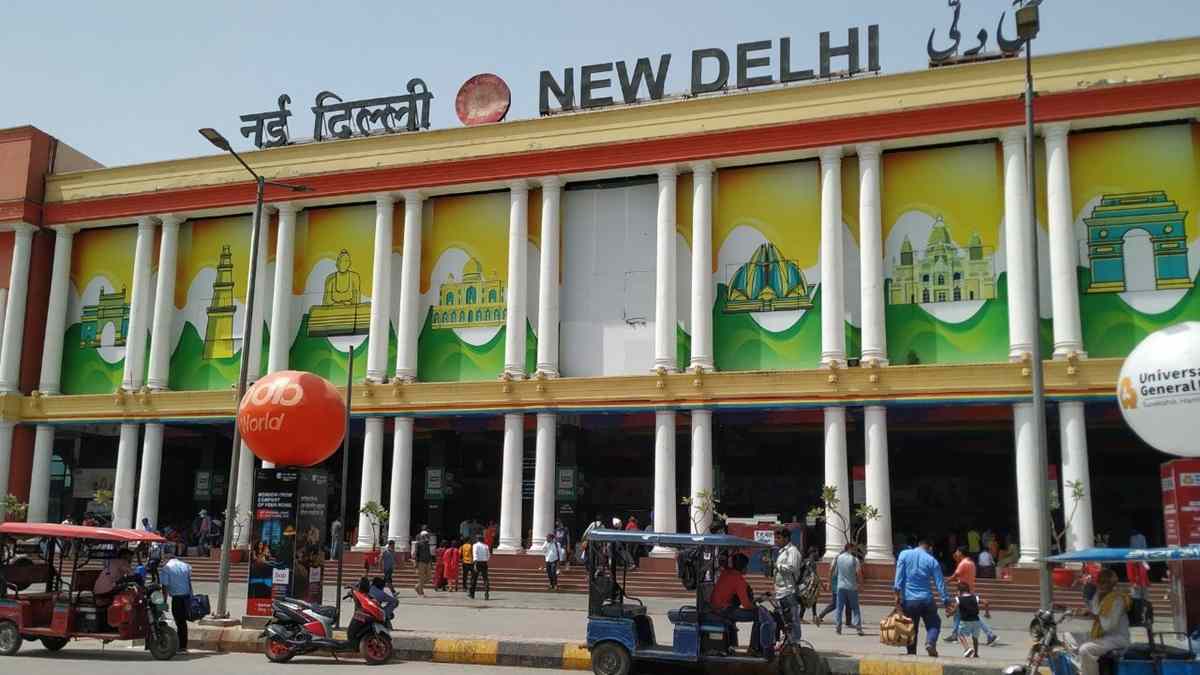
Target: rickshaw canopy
{"x": 673, "y": 539}
{"x": 1116, "y": 555}
{"x": 78, "y": 532}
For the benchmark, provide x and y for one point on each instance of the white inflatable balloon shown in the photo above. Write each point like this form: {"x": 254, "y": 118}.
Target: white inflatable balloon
{"x": 1159, "y": 389}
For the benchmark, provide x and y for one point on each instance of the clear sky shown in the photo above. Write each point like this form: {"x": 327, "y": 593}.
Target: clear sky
{"x": 131, "y": 81}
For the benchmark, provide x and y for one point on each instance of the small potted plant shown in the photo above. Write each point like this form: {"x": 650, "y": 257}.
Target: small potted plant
{"x": 1064, "y": 577}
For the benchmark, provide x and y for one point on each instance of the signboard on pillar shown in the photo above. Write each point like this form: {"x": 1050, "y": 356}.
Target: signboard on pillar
{"x": 564, "y": 486}
{"x": 1181, "y": 501}
{"x": 435, "y": 483}
{"x": 859, "y": 483}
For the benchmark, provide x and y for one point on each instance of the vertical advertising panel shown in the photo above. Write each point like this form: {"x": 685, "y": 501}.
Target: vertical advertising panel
{"x": 766, "y": 243}
{"x": 98, "y": 310}
{"x": 464, "y": 282}
{"x": 311, "y": 515}
{"x": 210, "y": 301}
{"x": 1181, "y": 501}
{"x": 331, "y": 287}
{"x": 944, "y": 286}
{"x": 272, "y": 538}
{"x": 1135, "y": 193}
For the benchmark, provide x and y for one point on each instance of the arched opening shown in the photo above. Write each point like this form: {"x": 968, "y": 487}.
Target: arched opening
{"x": 492, "y": 295}
{"x": 1138, "y": 259}
{"x": 957, "y": 294}
{"x": 925, "y": 295}
{"x": 471, "y": 295}
{"x": 941, "y": 280}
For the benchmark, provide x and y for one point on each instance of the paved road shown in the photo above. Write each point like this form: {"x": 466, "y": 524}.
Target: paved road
{"x": 86, "y": 658}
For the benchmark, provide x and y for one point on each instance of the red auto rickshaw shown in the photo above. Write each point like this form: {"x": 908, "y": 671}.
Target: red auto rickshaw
{"x": 68, "y": 608}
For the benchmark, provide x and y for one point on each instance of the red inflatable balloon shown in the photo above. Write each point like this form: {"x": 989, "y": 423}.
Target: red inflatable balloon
{"x": 292, "y": 418}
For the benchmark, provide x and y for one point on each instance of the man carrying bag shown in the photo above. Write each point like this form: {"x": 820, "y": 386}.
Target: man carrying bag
{"x": 175, "y": 576}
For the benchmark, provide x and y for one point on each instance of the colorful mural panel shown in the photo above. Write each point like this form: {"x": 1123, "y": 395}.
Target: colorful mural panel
{"x": 944, "y": 287}
{"x": 1135, "y": 193}
{"x": 98, "y": 310}
{"x": 766, "y": 243}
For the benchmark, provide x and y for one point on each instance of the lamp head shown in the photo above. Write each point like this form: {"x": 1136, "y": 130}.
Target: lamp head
{"x": 215, "y": 138}
{"x": 1027, "y": 20}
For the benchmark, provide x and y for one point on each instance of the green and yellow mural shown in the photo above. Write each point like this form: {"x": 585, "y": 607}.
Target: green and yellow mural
{"x": 944, "y": 285}
{"x": 98, "y": 310}
{"x": 1135, "y": 193}
{"x": 331, "y": 285}
{"x": 464, "y": 281}
{"x": 210, "y": 301}
{"x": 766, "y": 244}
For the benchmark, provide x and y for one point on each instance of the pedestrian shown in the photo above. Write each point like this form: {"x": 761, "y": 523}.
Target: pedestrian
{"x": 964, "y": 573}
{"x": 554, "y": 555}
{"x": 451, "y": 562}
{"x": 422, "y": 559}
{"x": 563, "y": 537}
{"x": 788, "y": 565}
{"x": 848, "y": 571}
{"x": 986, "y": 569}
{"x": 966, "y": 619}
{"x": 1137, "y": 539}
{"x": 175, "y": 576}
{"x": 1138, "y": 574}
{"x": 481, "y": 553}
{"x": 916, "y": 570}
{"x": 439, "y": 568}
{"x": 489, "y": 535}
{"x": 974, "y": 541}
{"x": 203, "y": 527}
{"x": 387, "y": 601}
{"x": 388, "y": 562}
{"x": 146, "y": 526}
{"x": 810, "y": 572}
{"x": 631, "y": 524}
{"x": 335, "y": 539}
{"x": 833, "y": 589}
{"x": 466, "y": 559}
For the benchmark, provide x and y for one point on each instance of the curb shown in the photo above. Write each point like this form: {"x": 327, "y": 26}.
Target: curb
{"x": 563, "y": 655}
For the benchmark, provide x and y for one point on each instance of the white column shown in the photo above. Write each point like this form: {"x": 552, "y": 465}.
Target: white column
{"x": 147, "y": 504}
{"x": 518, "y": 235}
{"x": 139, "y": 315}
{"x": 665, "y": 499}
{"x": 56, "y": 311}
{"x": 548, "y": 263}
{"x": 164, "y": 308}
{"x": 874, "y": 332}
{"x": 245, "y": 495}
{"x": 252, "y": 352}
{"x": 510, "y": 484}
{"x": 408, "y": 332}
{"x": 1073, "y": 438}
{"x": 39, "y": 476}
{"x": 400, "y": 495}
{"x": 1031, "y": 481}
{"x": 381, "y": 283}
{"x": 123, "y": 484}
{"x": 6, "y": 440}
{"x": 281, "y": 303}
{"x": 372, "y": 475}
{"x": 833, "y": 296}
{"x": 14, "y": 316}
{"x": 665, "y": 356}
{"x": 837, "y": 475}
{"x": 543, "y": 481}
{"x": 878, "y": 485}
{"x": 1017, "y": 231}
{"x": 702, "y": 281}
{"x": 1064, "y": 282}
{"x": 50, "y": 375}
{"x": 702, "y": 470}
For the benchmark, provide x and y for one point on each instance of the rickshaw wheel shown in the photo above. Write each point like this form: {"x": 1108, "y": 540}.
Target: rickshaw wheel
{"x": 10, "y": 638}
{"x": 610, "y": 658}
{"x": 376, "y": 649}
{"x": 800, "y": 660}
{"x": 54, "y": 643}
{"x": 165, "y": 646}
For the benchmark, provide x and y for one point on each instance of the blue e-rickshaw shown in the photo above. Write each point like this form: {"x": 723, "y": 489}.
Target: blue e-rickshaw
{"x": 1154, "y": 656}
{"x": 620, "y": 634}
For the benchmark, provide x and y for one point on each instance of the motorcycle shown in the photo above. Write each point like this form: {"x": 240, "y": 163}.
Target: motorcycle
{"x": 297, "y": 627}
{"x": 1047, "y": 646}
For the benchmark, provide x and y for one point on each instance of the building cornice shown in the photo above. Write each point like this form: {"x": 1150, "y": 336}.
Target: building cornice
{"x": 1091, "y": 379}
{"x": 1152, "y": 77}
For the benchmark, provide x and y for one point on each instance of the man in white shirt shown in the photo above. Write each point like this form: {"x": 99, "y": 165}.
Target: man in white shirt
{"x": 480, "y": 553}
{"x": 554, "y": 555}
{"x": 787, "y": 573}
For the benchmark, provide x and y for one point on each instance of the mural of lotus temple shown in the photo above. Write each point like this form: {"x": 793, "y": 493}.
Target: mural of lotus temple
{"x": 768, "y": 283}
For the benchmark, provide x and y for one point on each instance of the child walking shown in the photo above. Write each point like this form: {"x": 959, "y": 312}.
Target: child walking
{"x": 966, "y": 605}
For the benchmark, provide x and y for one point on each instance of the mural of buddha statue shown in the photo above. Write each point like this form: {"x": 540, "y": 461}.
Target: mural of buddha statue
{"x": 341, "y": 311}
{"x": 344, "y": 286}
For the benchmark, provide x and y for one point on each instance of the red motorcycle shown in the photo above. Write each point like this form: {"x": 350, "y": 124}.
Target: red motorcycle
{"x": 297, "y": 627}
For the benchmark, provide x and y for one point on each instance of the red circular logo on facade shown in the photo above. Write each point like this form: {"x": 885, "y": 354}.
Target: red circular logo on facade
{"x": 482, "y": 99}
{"x": 292, "y": 418}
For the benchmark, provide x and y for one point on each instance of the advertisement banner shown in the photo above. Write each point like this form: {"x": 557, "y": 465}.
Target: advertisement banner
{"x": 435, "y": 484}
{"x": 272, "y": 538}
{"x": 1181, "y": 501}
{"x": 564, "y": 489}
{"x": 311, "y": 514}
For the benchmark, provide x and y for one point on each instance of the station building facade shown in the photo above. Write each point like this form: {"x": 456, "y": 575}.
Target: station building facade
{"x": 609, "y": 311}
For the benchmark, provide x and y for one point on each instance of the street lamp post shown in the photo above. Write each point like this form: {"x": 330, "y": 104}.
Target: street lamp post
{"x": 1027, "y": 30}
{"x": 221, "y": 615}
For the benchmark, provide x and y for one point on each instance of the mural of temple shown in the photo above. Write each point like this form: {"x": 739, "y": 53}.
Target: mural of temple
{"x": 474, "y": 302}
{"x": 340, "y": 312}
{"x": 767, "y": 283}
{"x": 1118, "y": 215}
{"x": 111, "y": 309}
{"x": 218, "y": 332}
{"x": 943, "y": 272}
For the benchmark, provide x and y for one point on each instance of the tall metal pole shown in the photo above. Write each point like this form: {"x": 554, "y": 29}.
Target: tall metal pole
{"x": 1038, "y": 399}
{"x": 341, "y": 547}
{"x": 243, "y": 374}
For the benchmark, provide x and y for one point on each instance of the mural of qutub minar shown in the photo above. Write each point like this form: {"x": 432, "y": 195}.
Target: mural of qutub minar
{"x": 218, "y": 333}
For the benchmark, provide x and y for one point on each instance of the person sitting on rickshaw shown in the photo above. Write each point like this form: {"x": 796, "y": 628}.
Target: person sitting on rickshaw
{"x": 1109, "y": 610}
{"x": 109, "y": 581}
{"x": 732, "y": 599}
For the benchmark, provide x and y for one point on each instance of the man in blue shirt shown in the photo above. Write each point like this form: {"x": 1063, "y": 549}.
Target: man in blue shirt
{"x": 175, "y": 576}
{"x": 915, "y": 570}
